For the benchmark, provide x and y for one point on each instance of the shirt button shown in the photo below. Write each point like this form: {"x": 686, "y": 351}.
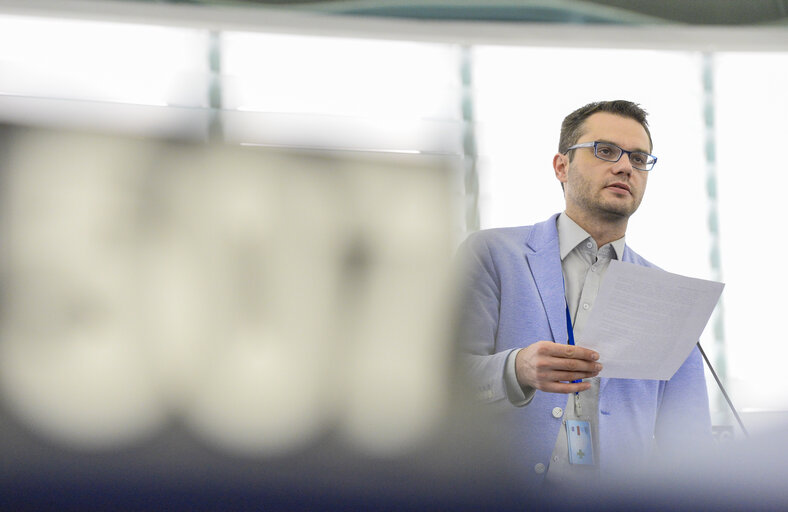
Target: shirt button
{"x": 593, "y": 268}
{"x": 589, "y": 245}
{"x": 557, "y": 412}
{"x": 555, "y": 458}
{"x": 586, "y": 306}
{"x": 539, "y": 468}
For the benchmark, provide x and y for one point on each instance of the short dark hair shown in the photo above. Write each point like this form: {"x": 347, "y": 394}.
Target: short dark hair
{"x": 572, "y": 127}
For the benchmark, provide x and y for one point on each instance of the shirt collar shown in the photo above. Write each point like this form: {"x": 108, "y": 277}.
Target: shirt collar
{"x": 570, "y": 235}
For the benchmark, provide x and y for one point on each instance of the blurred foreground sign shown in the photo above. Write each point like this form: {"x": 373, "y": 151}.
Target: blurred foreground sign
{"x": 258, "y": 296}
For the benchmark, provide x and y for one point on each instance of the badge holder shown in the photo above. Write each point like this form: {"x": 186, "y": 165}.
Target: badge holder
{"x": 578, "y": 437}
{"x": 578, "y": 430}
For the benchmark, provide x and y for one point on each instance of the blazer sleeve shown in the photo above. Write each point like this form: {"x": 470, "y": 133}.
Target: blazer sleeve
{"x": 478, "y": 322}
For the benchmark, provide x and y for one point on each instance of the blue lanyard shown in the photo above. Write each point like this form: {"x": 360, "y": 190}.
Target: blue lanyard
{"x": 571, "y": 339}
{"x": 569, "y": 330}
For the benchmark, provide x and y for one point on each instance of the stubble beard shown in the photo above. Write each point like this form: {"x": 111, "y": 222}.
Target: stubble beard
{"x": 596, "y": 205}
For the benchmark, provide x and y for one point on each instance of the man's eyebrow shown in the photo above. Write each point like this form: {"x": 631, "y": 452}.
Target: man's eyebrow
{"x": 636, "y": 150}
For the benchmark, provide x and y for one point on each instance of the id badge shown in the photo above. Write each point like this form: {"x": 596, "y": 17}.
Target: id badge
{"x": 581, "y": 449}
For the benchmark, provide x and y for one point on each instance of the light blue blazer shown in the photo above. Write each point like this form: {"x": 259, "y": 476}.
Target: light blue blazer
{"x": 514, "y": 296}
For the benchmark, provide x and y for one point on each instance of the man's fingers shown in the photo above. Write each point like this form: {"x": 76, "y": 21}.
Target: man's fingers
{"x": 575, "y": 352}
{"x": 567, "y": 351}
{"x": 552, "y": 367}
{"x": 569, "y": 376}
{"x": 567, "y": 365}
{"x": 565, "y": 387}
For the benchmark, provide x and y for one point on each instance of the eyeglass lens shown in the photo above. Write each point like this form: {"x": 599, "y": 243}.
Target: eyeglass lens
{"x": 612, "y": 153}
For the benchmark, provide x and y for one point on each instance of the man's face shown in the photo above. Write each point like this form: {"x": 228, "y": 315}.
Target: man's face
{"x": 600, "y": 189}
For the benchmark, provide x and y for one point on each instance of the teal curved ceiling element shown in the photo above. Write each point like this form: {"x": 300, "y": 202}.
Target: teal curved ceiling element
{"x": 540, "y": 11}
{"x": 691, "y": 12}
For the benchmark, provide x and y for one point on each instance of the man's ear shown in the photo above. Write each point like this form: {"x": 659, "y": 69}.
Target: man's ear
{"x": 561, "y": 166}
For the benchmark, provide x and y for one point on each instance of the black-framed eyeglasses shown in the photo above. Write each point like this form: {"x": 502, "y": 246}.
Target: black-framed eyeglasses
{"x": 609, "y": 152}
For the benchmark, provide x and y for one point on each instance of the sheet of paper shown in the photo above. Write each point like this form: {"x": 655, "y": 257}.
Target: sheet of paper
{"x": 646, "y": 321}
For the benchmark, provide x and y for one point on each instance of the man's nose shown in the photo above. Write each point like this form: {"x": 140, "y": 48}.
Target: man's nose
{"x": 623, "y": 165}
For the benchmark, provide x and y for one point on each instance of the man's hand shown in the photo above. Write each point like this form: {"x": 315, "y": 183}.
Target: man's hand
{"x": 544, "y": 365}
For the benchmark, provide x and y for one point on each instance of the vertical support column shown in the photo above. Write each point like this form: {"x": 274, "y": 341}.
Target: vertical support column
{"x": 713, "y": 224}
{"x": 472, "y": 222}
{"x": 215, "y": 133}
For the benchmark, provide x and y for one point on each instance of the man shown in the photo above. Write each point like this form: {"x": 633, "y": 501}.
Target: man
{"x": 529, "y": 287}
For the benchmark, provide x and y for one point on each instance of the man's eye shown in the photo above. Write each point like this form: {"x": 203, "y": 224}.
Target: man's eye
{"x": 639, "y": 158}
{"x": 604, "y": 151}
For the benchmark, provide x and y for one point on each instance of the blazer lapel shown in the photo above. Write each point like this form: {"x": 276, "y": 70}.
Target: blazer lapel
{"x": 544, "y": 260}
